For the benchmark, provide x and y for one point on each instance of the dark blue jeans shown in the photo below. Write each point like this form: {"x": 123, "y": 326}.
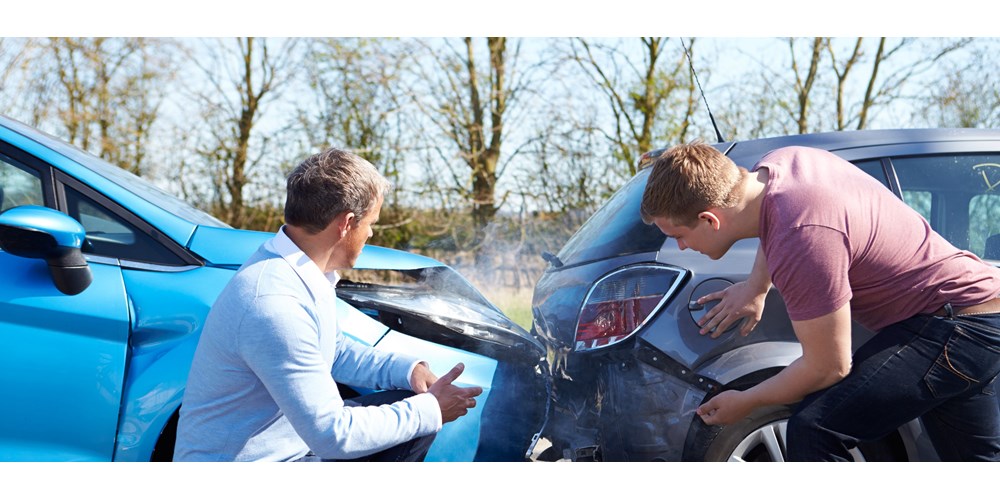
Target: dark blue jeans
{"x": 942, "y": 370}
{"x": 413, "y": 450}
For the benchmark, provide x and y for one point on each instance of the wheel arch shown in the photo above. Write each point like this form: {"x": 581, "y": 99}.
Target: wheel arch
{"x": 163, "y": 450}
{"x": 747, "y": 362}
{"x": 904, "y": 443}
{"x": 700, "y": 436}
{"x": 154, "y": 390}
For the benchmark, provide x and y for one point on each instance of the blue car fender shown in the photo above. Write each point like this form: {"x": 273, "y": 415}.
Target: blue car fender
{"x": 164, "y": 337}
{"x": 458, "y": 441}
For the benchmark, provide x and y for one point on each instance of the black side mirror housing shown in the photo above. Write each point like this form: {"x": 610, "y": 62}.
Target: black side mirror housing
{"x": 35, "y": 232}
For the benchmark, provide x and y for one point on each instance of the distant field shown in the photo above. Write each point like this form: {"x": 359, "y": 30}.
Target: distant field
{"x": 508, "y": 281}
{"x": 514, "y": 302}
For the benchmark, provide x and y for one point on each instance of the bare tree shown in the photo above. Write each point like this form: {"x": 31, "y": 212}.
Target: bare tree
{"x": 804, "y": 79}
{"x": 469, "y": 101}
{"x": 357, "y": 105}
{"x": 242, "y": 77}
{"x": 865, "y": 75}
{"x": 572, "y": 171}
{"x": 968, "y": 95}
{"x": 104, "y": 94}
{"x": 879, "y": 89}
{"x": 13, "y": 52}
{"x": 643, "y": 90}
{"x": 29, "y": 83}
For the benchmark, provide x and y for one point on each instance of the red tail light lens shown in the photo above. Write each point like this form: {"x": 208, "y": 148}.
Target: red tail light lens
{"x": 619, "y": 304}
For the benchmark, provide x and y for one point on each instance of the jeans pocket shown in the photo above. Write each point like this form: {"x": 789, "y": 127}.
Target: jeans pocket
{"x": 965, "y": 362}
{"x": 985, "y": 329}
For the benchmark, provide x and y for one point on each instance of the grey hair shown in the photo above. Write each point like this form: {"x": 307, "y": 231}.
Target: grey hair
{"x": 328, "y": 184}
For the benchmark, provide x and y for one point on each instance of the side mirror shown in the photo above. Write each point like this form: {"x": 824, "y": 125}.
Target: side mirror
{"x": 42, "y": 233}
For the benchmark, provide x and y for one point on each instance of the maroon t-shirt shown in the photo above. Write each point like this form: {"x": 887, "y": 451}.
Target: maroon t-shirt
{"x": 832, "y": 235}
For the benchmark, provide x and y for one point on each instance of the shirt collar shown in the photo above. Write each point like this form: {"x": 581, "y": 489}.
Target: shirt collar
{"x": 312, "y": 276}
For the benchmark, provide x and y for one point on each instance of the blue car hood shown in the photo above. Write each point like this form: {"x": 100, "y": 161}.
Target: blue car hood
{"x": 227, "y": 247}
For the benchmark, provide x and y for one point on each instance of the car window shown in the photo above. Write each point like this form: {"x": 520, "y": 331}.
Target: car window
{"x": 110, "y": 235}
{"x": 984, "y": 221}
{"x": 18, "y": 185}
{"x": 874, "y": 169}
{"x": 615, "y": 229}
{"x": 959, "y": 195}
{"x": 919, "y": 201}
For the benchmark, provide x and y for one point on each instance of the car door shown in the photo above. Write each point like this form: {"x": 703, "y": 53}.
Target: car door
{"x": 62, "y": 358}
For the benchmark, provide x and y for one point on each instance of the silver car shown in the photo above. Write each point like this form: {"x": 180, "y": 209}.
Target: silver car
{"x": 617, "y": 311}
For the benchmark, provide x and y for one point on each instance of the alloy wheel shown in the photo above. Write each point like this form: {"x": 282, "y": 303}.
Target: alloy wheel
{"x": 767, "y": 444}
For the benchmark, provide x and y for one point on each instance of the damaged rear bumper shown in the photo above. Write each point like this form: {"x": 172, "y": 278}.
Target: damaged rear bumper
{"x": 638, "y": 406}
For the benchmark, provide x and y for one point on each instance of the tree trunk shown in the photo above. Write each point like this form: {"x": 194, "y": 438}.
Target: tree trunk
{"x": 804, "y": 87}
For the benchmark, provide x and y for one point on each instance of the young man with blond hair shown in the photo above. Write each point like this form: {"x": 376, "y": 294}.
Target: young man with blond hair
{"x": 839, "y": 247}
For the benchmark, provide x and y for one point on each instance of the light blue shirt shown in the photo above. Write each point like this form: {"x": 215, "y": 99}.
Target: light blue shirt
{"x": 260, "y": 386}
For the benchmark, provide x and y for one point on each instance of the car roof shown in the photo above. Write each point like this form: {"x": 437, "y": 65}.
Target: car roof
{"x": 171, "y": 216}
{"x": 840, "y": 141}
{"x": 844, "y": 140}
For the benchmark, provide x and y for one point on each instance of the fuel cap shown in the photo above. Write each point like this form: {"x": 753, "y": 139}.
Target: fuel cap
{"x": 704, "y": 288}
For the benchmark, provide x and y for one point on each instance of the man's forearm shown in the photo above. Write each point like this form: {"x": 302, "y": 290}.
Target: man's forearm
{"x": 825, "y": 360}
{"x": 795, "y": 382}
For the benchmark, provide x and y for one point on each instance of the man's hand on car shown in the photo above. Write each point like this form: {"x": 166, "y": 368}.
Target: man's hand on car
{"x": 739, "y": 301}
{"x": 726, "y": 408}
{"x": 455, "y": 401}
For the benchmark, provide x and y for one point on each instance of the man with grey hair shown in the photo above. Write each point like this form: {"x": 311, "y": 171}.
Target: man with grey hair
{"x": 263, "y": 382}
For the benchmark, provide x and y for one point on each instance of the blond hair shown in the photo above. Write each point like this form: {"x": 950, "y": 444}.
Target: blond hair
{"x": 688, "y": 179}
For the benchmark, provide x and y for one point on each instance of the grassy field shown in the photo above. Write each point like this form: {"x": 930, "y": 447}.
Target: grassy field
{"x": 514, "y": 302}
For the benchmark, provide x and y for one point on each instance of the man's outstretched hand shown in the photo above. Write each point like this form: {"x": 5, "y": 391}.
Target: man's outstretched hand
{"x": 455, "y": 401}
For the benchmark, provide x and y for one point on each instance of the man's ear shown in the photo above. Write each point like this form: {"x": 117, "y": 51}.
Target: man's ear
{"x": 711, "y": 218}
{"x": 344, "y": 222}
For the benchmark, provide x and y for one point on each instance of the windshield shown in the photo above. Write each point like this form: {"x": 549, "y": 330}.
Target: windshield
{"x": 615, "y": 229}
{"x": 145, "y": 189}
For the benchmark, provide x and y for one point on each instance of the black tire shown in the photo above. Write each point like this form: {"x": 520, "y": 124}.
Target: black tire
{"x": 761, "y": 438}
{"x": 164, "y": 449}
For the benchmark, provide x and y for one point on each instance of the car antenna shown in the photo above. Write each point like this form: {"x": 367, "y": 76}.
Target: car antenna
{"x": 695, "y": 74}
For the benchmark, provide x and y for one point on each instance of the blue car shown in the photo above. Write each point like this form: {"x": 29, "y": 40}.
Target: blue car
{"x": 105, "y": 282}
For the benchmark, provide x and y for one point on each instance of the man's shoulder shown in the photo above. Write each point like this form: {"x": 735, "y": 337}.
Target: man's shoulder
{"x": 265, "y": 274}
{"x": 262, "y": 291}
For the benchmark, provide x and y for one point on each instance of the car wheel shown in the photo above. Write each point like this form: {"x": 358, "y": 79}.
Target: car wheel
{"x": 761, "y": 437}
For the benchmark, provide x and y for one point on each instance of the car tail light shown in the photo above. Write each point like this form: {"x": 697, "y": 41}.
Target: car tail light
{"x": 619, "y": 304}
